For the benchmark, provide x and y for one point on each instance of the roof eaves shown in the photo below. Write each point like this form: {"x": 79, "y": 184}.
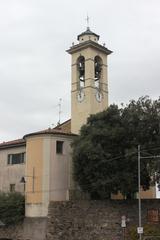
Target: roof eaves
{"x": 48, "y": 133}
{"x": 12, "y": 145}
{"x": 86, "y": 44}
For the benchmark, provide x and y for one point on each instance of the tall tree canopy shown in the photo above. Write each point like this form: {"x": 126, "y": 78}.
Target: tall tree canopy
{"x": 105, "y": 152}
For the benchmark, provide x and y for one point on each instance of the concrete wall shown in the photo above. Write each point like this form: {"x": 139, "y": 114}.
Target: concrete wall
{"x": 11, "y": 174}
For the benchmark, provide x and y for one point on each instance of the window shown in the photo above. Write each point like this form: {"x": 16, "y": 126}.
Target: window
{"x": 17, "y": 158}
{"x": 12, "y": 187}
{"x": 59, "y": 147}
{"x": 153, "y": 215}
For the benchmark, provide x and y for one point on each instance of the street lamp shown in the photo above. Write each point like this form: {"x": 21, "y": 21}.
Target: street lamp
{"x": 23, "y": 180}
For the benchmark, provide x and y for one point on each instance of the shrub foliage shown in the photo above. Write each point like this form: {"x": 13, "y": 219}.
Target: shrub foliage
{"x": 151, "y": 232}
{"x": 12, "y": 208}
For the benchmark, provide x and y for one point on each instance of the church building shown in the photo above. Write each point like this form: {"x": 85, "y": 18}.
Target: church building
{"x": 40, "y": 164}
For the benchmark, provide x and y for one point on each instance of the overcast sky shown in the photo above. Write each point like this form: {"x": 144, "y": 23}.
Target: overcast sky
{"x": 35, "y": 69}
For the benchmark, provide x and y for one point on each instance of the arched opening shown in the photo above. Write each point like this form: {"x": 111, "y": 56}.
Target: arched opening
{"x": 81, "y": 72}
{"x": 97, "y": 72}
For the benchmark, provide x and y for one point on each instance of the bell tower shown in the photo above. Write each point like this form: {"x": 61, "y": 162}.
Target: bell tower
{"x": 89, "y": 90}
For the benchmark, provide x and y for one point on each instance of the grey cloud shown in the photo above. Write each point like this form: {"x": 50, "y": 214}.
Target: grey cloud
{"x": 35, "y": 69}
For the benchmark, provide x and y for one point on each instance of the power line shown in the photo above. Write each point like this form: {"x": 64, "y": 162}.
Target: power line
{"x": 149, "y": 149}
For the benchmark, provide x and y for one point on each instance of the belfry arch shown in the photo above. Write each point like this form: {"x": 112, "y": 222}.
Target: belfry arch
{"x": 80, "y": 72}
{"x": 98, "y": 72}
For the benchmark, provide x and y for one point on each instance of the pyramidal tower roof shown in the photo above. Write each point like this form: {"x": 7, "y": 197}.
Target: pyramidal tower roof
{"x": 87, "y": 32}
{"x": 88, "y": 39}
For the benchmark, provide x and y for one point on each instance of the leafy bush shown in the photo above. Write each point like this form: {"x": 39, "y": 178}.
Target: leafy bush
{"x": 151, "y": 232}
{"x": 12, "y": 208}
{"x": 105, "y": 152}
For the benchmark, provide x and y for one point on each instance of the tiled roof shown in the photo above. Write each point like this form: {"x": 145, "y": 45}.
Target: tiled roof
{"x": 14, "y": 143}
{"x": 65, "y": 126}
{"x": 61, "y": 129}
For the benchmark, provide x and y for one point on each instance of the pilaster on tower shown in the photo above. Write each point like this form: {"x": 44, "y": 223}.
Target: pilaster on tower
{"x": 89, "y": 90}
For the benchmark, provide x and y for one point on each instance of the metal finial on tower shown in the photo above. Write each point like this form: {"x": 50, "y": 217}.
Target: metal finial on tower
{"x": 87, "y": 19}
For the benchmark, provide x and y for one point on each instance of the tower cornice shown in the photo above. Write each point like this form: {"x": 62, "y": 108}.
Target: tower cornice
{"x": 87, "y": 44}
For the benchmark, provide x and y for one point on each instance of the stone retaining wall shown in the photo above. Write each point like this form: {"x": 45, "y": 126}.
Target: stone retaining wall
{"x": 30, "y": 229}
{"x": 95, "y": 220}
{"x": 83, "y": 220}
{"x": 12, "y": 232}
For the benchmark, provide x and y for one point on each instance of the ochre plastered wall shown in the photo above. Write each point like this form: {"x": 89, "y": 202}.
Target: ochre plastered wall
{"x": 148, "y": 194}
{"x": 80, "y": 111}
{"x": 34, "y": 168}
{"x": 151, "y": 193}
{"x": 60, "y": 170}
{"x": 53, "y": 177}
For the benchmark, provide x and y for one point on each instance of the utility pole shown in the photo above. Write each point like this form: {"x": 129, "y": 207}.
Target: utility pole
{"x": 139, "y": 193}
{"x": 140, "y": 228}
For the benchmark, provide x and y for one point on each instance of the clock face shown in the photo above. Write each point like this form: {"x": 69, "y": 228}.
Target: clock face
{"x": 98, "y": 96}
{"x": 80, "y": 96}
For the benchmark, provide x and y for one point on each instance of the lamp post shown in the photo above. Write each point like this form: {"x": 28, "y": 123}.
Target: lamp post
{"x": 33, "y": 181}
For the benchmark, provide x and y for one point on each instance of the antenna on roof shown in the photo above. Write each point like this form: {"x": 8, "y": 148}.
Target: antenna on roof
{"x": 59, "y": 112}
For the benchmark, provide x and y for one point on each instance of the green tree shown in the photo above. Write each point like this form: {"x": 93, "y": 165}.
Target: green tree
{"x": 12, "y": 208}
{"x": 105, "y": 152}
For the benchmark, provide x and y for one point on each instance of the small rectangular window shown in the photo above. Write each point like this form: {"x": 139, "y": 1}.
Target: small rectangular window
{"x": 59, "y": 147}
{"x": 12, "y": 187}
{"x": 17, "y": 158}
{"x": 153, "y": 215}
